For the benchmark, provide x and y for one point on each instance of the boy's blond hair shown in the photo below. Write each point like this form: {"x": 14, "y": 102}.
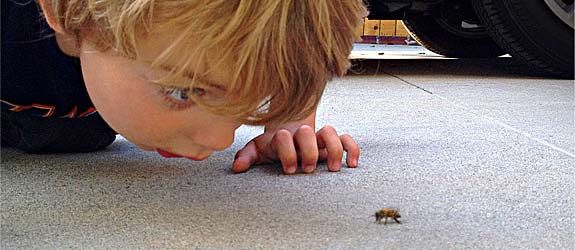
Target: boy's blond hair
{"x": 278, "y": 51}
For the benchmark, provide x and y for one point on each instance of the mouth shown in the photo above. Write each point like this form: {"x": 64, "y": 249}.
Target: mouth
{"x": 167, "y": 154}
{"x": 172, "y": 155}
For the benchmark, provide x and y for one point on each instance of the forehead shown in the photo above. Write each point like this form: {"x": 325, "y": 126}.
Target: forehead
{"x": 167, "y": 52}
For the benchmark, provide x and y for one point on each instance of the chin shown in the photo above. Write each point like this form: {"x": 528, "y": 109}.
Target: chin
{"x": 145, "y": 147}
{"x": 195, "y": 158}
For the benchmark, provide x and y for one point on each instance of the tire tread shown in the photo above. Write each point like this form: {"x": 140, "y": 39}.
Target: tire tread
{"x": 512, "y": 39}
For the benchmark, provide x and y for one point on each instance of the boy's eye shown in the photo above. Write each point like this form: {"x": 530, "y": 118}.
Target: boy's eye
{"x": 178, "y": 98}
{"x": 178, "y": 94}
{"x": 181, "y": 94}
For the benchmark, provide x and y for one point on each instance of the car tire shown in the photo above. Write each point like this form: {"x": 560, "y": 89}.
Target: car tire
{"x": 454, "y": 31}
{"x": 530, "y": 31}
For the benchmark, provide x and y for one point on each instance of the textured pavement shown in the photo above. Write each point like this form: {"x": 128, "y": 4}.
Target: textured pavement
{"x": 476, "y": 154}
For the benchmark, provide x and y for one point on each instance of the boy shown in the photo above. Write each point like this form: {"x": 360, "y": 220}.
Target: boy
{"x": 177, "y": 77}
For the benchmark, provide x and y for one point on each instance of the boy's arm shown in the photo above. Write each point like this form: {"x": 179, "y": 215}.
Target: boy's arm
{"x": 295, "y": 141}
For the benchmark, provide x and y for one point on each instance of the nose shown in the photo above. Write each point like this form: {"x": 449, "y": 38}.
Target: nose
{"x": 219, "y": 136}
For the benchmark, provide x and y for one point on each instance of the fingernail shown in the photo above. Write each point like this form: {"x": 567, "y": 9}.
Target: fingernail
{"x": 335, "y": 166}
{"x": 308, "y": 168}
{"x": 291, "y": 170}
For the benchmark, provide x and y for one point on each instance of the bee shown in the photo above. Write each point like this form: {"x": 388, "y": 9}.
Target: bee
{"x": 385, "y": 213}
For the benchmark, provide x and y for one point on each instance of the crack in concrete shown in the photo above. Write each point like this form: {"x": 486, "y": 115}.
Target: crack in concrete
{"x": 496, "y": 121}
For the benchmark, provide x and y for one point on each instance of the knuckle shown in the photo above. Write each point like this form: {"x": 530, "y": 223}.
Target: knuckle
{"x": 352, "y": 146}
{"x": 281, "y": 135}
{"x": 348, "y": 142}
{"x": 305, "y": 129}
{"x": 345, "y": 136}
{"x": 329, "y": 128}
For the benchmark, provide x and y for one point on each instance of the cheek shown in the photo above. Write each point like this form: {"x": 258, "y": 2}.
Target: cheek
{"x": 96, "y": 79}
{"x": 123, "y": 99}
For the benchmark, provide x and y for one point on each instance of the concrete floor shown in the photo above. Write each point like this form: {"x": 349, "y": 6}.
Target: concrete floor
{"x": 476, "y": 154}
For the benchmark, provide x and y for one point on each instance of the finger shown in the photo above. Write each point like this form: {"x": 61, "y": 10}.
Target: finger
{"x": 307, "y": 144}
{"x": 282, "y": 143}
{"x": 352, "y": 149}
{"x": 245, "y": 158}
{"x": 328, "y": 139}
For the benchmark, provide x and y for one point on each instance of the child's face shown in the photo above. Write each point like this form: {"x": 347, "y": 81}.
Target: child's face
{"x": 150, "y": 115}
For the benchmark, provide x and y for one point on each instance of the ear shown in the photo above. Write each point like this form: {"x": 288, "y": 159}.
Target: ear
{"x": 46, "y": 6}
{"x": 68, "y": 43}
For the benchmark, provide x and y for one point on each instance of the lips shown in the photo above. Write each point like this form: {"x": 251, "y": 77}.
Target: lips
{"x": 171, "y": 155}
{"x": 167, "y": 154}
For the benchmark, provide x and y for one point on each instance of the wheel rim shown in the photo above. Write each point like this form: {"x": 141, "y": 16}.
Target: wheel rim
{"x": 562, "y": 9}
{"x": 458, "y": 20}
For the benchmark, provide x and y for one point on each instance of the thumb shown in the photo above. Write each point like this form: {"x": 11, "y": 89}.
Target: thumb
{"x": 245, "y": 158}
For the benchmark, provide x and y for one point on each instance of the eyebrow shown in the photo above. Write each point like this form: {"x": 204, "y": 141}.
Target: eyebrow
{"x": 192, "y": 75}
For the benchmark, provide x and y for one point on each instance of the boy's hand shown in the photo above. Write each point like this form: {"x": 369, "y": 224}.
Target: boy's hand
{"x": 298, "y": 141}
